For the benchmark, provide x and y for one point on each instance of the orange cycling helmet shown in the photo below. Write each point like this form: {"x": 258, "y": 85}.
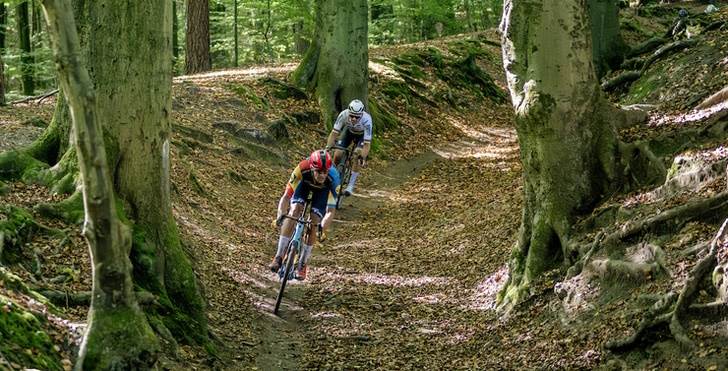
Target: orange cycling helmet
{"x": 320, "y": 160}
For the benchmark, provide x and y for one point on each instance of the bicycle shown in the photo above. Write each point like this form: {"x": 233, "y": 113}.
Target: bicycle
{"x": 293, "y": 250}
{"x": 344, "y": 169}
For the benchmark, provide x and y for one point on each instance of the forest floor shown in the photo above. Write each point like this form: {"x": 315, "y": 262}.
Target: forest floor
{"x": 409, "y": 274}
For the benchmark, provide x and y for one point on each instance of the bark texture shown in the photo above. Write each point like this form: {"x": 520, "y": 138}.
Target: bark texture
{"x": 567, "y": 143}
{"x": 336, "y": 64}
{"x": 118, "y": 336}
{"x": 26, "y": 58}
{"x": 607, "y": 45}
{"x": 130, "y": 55}
{"x": 197, "y": 55}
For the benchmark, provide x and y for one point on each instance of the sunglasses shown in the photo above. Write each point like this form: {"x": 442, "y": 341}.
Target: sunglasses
{"x": 354, "y": 117}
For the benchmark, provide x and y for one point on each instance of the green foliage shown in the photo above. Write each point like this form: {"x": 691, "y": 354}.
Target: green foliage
{"x": 268, "y": 30}
{"x": 399, "y": 21}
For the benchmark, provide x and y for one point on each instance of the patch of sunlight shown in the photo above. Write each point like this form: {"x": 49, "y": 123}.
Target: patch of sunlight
{"x": 340, "y": 274}
{"x": 485, "y": 294}
{"x": 692, "y": 116}
{"x": 431, "y": 299}
{"x": 265, "y": 304}
{"x": 325, "y": 315}
{"x": 362, "y": 244}
{"x": 389, "y": 195}
{"x": 485, "y": 143}
{"x": 245, "y": 279}
{"x": 240, "y": 72}
{"x": 383, "y": 70}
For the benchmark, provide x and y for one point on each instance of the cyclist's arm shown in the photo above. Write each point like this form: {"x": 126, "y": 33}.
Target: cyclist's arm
{"x": 293, "y": 181}
{"x": 365, "y": 149}
{"x": 333, "y": 136}
{"x": 368, "y": 131}
{"x": 338, "y": 126}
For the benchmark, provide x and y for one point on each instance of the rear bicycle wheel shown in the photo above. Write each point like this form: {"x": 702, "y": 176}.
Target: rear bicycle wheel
{"x": 287, "y": 271}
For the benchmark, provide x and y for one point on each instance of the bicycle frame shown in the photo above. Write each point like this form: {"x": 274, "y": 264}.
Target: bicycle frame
{"x": 293, "y": 250}
{"x": 344, "y": 169}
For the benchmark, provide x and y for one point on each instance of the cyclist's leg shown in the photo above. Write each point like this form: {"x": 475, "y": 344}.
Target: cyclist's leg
{"x": 344, "y": 141}
{"x": 297, "y": 201}
{"x": 318, "y": 208}
{"x": 355, "y": 168}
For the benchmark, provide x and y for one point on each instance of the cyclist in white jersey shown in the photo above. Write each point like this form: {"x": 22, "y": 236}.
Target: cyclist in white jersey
{"x": 353, "y": 125}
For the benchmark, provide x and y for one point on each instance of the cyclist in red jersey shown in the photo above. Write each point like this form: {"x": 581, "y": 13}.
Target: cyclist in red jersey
{"x": 314, "y": 175}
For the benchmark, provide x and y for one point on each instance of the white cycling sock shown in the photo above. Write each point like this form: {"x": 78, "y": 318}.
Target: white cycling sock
{"x": 352, "y": 181}
{"x": 282, "y": 243}
{"x": 306, "y": 254}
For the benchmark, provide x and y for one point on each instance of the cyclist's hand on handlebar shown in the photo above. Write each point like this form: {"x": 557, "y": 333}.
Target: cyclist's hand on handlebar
{"x": 363, "y": 161}
{"x": 277, "y": 222}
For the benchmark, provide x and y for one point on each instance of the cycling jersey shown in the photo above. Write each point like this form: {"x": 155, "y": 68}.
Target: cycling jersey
{"x": 363, "y": 126}
{"x": 302, "y": 183}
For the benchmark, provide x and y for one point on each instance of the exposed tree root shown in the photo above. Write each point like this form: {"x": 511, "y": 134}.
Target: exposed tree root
{"x": 677, "y": 215}
{"x": 666, "y": 50}
{"x": 70, "y": 209}
{"x": 683, "y": 307}
{"x": 628, "y": 76}
{"x": 623, "y": 78}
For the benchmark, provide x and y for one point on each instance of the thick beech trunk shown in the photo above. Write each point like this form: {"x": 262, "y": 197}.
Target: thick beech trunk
{"x": 118, "y": 335}
{"x": 568, "y": 145}
{"x": 130, "y": 54}
{"x": 197, "y": 55}
{"x": 26, "y": 58}
{"x": 336, "y": 64}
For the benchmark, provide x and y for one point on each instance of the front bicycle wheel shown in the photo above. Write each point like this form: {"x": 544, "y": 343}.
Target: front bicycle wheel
{"x": 345, "y": 173}
{"x": 287, "y": 271}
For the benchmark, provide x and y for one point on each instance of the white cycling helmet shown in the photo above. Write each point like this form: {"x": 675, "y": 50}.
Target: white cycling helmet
{"x": 356, "y": 107}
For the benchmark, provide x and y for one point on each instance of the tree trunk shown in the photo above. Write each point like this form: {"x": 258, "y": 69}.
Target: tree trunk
{"x": 336, "y": 64}
{"x": 607, "y": 45}
{"x": 568, "y": 144}
{"x": 134, "y": 98}
{"x": 2, "y": 80}
{"x": 175, "y": 31}
{"x": 235, "y": 32}
{"x": 26, "y": 58}
{"x": 3, "y": 23}
{"x": 37, "y": 18}
{"x": 118, "y": 336}
{"x": 197, "y": 55}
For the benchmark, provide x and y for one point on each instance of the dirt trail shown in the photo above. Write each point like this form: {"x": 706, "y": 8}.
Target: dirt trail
{"x": 401, "y": 247}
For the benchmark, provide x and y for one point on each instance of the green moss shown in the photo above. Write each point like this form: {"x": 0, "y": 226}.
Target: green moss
{"x": 385, "y": 120}
{"x": 4, "y": 188}
{"x": 248, "y": 94}
{"x": 70, "y": 209}
{"x": 16, "y": 227}
{"x": 23, "y": 339}
{"x": 180, "y": 306}
{"x": 110, "y": 330}
{"x": 19, "y": 165}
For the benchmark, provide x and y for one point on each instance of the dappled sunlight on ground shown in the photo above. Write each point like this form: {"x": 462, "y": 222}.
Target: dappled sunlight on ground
{"x": 338, "y": 274}
{"x": 487, "y": 143}
{"x": 718, "y": 110}
{"x": 252, "y": 73}
{"x": 484, "y": 295}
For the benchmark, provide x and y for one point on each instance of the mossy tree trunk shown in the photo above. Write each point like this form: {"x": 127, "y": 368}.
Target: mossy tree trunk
{"x": 568, "y": 143}
{"x": 130, "y": 54}
{"x": 197, "y": 54}
{"x": 118, "y": 336}
{"x": 3, "y": 24}
{"x": 2, "y": 80}
{"x": 607, "y": 45}
{"x": 26, "y": 58}
{"x": 336, "y": 64}
{"x": 3, "y": 18}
